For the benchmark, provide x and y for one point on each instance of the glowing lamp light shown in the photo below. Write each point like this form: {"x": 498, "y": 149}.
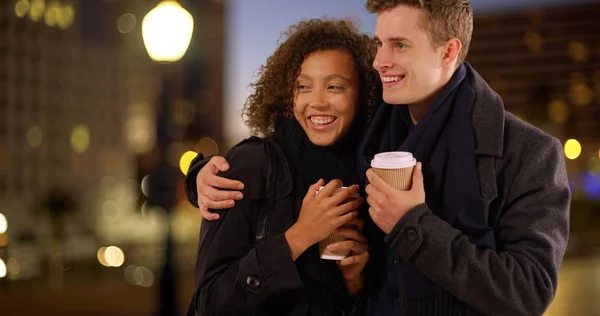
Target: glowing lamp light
{"x": 167, "y": 31}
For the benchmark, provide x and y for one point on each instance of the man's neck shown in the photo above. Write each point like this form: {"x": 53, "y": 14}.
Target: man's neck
{"x": 418, "y": 109}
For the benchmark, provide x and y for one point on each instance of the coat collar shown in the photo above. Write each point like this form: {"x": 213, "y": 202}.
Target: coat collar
{"x": 487, "y": 117}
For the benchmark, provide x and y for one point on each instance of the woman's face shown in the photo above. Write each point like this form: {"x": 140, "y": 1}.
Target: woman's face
{"x": 326, "y": 96}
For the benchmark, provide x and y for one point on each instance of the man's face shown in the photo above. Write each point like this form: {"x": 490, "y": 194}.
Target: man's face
{"x": 409, "y": 67}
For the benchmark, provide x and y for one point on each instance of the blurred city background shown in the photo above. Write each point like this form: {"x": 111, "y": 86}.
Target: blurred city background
{"x": 103, "y": 104}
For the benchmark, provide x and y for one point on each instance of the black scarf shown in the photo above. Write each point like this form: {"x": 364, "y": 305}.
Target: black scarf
{"x": 443, "y": 140}
{"x": 311, "y": 163}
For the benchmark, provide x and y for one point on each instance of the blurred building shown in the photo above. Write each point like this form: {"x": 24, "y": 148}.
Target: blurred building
{"x": 78, "y": 98}
{"x": 546, "y": 66}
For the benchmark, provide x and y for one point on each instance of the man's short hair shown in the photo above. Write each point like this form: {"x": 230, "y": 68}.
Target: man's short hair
{"x": 443, "y": 19}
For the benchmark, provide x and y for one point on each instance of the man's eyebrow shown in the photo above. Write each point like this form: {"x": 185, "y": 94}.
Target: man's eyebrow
{"x": 393, "y": 39}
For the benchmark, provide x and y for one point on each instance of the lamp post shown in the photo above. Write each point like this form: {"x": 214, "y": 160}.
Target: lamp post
{"x": 167, "y": 31}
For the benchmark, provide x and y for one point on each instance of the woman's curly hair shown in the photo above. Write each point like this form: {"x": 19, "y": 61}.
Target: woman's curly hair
{"x": 273, "y": 93}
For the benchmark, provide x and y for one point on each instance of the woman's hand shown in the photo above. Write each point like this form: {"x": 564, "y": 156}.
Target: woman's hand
{"x": 321, "y": 214}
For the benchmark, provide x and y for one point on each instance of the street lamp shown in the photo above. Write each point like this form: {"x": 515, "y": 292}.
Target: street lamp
{"x": 167, "y": 30}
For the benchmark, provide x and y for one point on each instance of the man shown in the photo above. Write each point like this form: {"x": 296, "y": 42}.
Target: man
{"x": 485, "y": 226}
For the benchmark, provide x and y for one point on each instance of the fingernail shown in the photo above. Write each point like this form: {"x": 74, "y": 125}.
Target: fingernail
{"x": 241, "y": 186}
{"x": 230, "y": 203}
{"x": 239, "y": 197}
{"x": 224, "y": 166}
{"x": 419, "y": 165}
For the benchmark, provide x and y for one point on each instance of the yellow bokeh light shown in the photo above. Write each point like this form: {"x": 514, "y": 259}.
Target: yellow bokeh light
{"x": 558, "y": 111}
{"x": 533, "y": 40}
{"x": 114, "y": 256}
{"x": 101, "y": 257}
{"x": 36, "y": 10}
{"x": 580, "y": 94}
{"x": 3, "y": 224}
{"x": 3, "y": 240}
{"x": 34, "y": 137}
{"x": 80, "y": 138}
{"x": 572, "y": 149}
{"x": 2, "y": 269}
{"x": 578, "y": 51}
{"x": 13, "y": 267}
{"x": 65, "y": 16}
{"x": 186, "y": 159}
{"x": 21, "y": 8}
{"x": 51, "y": 15}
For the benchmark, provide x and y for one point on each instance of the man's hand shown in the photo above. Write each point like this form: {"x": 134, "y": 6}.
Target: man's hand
{"x": 388, "y": 205}
{"x": 214, "y": 191}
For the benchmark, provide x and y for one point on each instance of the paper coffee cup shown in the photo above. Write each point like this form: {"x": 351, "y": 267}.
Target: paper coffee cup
{"x": 395, "y": 168}
{"x": 333, "y": 238}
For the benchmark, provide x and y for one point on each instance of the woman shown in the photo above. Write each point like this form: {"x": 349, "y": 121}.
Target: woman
{"x": 311, "y": 102}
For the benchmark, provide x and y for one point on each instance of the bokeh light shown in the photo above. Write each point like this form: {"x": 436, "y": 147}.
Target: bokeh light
{"x": 145, "y": 186}
{"x": 52, "y": 12}
{"x": 140, "y": 276}
{"x": 101, "y": 257}
{"x": 534, "y": 41}
{"x": 3, "y": 239}
{"x": 36, "y": 10}
{"x": 21, "y": 8}
{"x": 34, "y": 137}
{"x": 207, "y": 146}
{"x": 80, "y": 138}
{"x": 114, "y": 256}
{"x": 558, "y": 111}
{"x": 2, "y": 269}
{"x": 572, "y": 149}
{"x": 126, "y": 23}
{"x": 13, "y": 267}
{"x": 579, "y": 51}
{"x": 147, "y": 277}
{"x": 140, "y": 134}
{"x": 65, "y": 16}
{"x": 185, "y": 160}
{"x": 3, "y": 224}
{"x": 580, "y": 94}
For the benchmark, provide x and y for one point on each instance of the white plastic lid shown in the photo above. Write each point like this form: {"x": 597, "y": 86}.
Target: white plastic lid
{"x": 393, "y": 160}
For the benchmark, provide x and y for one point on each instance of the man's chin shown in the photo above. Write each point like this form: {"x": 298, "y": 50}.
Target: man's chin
{"x": 394, "y": 98}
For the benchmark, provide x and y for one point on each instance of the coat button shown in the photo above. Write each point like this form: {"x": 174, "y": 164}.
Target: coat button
{"x": 412, "y": 234}
{"x": 396, "y": 262}
{"x": 253, "y": 281}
